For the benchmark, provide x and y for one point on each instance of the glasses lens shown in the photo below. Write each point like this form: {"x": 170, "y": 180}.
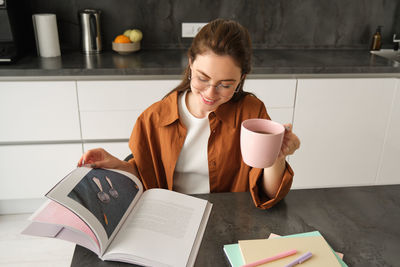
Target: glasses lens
{"x": 223, "y": 90}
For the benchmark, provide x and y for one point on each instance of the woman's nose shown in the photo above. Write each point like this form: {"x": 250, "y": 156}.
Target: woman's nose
{"x": 212, "y": 90}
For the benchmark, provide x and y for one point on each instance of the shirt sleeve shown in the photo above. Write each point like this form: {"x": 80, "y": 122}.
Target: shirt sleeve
{"x": 136, "y": 143}
{"x": 144, "y": 146}
{"x": 260, "y": 198}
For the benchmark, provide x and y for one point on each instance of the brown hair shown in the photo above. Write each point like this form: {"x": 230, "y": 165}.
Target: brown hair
{"x": 222, "y": 37}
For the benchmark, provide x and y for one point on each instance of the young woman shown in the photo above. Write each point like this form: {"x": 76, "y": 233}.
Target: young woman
{"x": 190, "y": 140}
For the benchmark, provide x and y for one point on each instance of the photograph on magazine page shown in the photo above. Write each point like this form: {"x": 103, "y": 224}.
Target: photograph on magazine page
{"x": 106, "y": 194}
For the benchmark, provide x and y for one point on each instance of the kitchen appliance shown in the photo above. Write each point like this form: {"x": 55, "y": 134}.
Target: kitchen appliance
{"x": 16, "y": 30}
{"x": 89, "y": 20}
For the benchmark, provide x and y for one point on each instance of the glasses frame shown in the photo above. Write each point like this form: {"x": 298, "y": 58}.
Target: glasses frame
{"x": 217, "y": 87}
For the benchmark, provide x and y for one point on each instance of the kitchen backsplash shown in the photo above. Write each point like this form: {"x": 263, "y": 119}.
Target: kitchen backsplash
{"x": 273, "y": 24}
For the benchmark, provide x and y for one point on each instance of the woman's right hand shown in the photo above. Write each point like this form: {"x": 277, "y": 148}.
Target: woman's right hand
{"x": 99, "y": 158}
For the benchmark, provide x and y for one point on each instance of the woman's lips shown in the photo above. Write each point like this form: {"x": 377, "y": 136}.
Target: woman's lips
{"x": 208, "y": 101}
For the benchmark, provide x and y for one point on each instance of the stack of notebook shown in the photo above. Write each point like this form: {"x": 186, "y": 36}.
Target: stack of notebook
{"x": 310, "y": 243}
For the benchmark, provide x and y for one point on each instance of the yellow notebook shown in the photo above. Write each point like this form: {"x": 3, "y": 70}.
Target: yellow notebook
{"x": 257, "y": 249}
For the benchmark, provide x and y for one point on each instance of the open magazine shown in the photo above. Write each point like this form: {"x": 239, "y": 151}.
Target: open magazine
{"x": 108, "y": 212}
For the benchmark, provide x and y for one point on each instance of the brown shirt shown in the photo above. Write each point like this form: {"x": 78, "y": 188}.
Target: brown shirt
{"x": 158, "y": 137}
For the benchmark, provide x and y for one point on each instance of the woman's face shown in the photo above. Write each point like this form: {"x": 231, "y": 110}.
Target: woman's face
{"x": 214, "y": 80}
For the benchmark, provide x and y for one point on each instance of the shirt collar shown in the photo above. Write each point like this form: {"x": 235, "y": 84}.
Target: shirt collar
{"x": 172, "y": 113}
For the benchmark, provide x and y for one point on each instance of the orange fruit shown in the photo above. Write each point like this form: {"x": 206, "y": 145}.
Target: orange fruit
{"x": 122, "y": 39}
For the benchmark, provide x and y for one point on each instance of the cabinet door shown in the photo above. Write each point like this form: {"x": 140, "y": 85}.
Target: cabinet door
{"x": 118, "y": 149}
{"x": 341, "y": 124}
{"x": 277, "y": 94}
{"x": 38, "y": 111}
{"x": 389, "y": 173}
{"x": 109, "y": 109}
{"x": 30, "y": 171}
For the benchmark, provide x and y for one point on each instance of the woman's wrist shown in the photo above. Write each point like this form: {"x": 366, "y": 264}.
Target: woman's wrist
{"x": 129, "y": 167}
{"x": 273, "y": 176}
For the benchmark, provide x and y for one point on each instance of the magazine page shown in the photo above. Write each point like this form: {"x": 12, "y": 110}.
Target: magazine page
{"x": 56, "y": 221}
{"x": 102, "y": 198}
{"x": 164, "y": 229}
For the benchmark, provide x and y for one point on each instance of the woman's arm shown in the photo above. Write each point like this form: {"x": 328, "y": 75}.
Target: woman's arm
{"x": 273, "y": 175}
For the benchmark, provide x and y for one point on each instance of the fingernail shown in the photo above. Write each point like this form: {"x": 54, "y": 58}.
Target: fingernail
{"x": 93, "y": 165}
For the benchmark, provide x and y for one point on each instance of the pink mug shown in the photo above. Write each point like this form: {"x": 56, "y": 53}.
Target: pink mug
{"x": 260, "y": 142}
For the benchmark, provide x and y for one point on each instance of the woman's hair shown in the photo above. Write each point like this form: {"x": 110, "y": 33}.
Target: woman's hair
{"x": 222, "y": 37}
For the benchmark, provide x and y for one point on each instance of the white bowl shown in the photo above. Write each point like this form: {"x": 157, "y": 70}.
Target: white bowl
{"x": 125, "y": 48}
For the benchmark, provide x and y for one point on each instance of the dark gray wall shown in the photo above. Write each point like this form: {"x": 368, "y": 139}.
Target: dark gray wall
{"x": 331, "y": 24}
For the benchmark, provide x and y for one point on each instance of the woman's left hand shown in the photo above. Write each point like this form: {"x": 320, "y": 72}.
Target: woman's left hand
{"x": 290, "y": 142}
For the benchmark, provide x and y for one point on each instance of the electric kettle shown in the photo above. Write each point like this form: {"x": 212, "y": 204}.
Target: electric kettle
{"x": 89, "y": 20}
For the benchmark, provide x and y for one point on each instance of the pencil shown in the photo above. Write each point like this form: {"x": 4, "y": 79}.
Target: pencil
{"x": 273, "y": 258}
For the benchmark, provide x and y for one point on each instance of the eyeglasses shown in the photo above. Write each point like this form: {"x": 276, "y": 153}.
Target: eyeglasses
{"x": 221, "y": 88}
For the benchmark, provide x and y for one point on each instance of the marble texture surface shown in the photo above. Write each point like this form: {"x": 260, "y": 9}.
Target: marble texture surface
{"x": 169, "y": 62}
{"x": 361, "y": 222}
{"x": 272, "y": 24}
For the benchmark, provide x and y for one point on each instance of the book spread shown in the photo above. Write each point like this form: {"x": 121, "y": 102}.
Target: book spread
{"x": 108, "y": 212}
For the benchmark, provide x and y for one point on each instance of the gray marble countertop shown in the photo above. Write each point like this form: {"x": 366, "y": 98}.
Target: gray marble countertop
{"x": 360, "y": 222}
{"x": 171, "y": 63}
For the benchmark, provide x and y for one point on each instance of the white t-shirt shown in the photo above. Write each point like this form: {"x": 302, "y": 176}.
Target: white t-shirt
{"x": 191, "y": 171}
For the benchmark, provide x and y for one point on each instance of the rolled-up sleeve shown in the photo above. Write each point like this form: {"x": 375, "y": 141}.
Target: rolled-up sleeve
{"x": 260, "y": 198}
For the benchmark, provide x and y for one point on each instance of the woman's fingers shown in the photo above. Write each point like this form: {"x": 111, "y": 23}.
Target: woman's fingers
{"x": 291, "y": 144}
{"x": 91, "y": 156}
{"x": 288, "y": 127}
{"x": 290, "y": 141}
{"x": 80, "y": 161}
{"x": 99, "y": 158}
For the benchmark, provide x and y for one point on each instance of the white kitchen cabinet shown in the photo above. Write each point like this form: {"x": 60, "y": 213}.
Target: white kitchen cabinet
{"x": 109, "y": 109}
{"x": 277, "y": 94}
{"x": 341, "y": 124}
{"x": 388, "y": 173}
{"x": 30, "y": 171}
{"x": 38, "y": 111}
{"x": 118, "y": 149}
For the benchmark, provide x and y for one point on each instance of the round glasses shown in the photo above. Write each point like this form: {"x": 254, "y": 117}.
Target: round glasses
{"x": 221, "y": 88}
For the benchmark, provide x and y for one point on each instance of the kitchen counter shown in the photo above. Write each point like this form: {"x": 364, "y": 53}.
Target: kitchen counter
{"x": 153, "y": 64}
